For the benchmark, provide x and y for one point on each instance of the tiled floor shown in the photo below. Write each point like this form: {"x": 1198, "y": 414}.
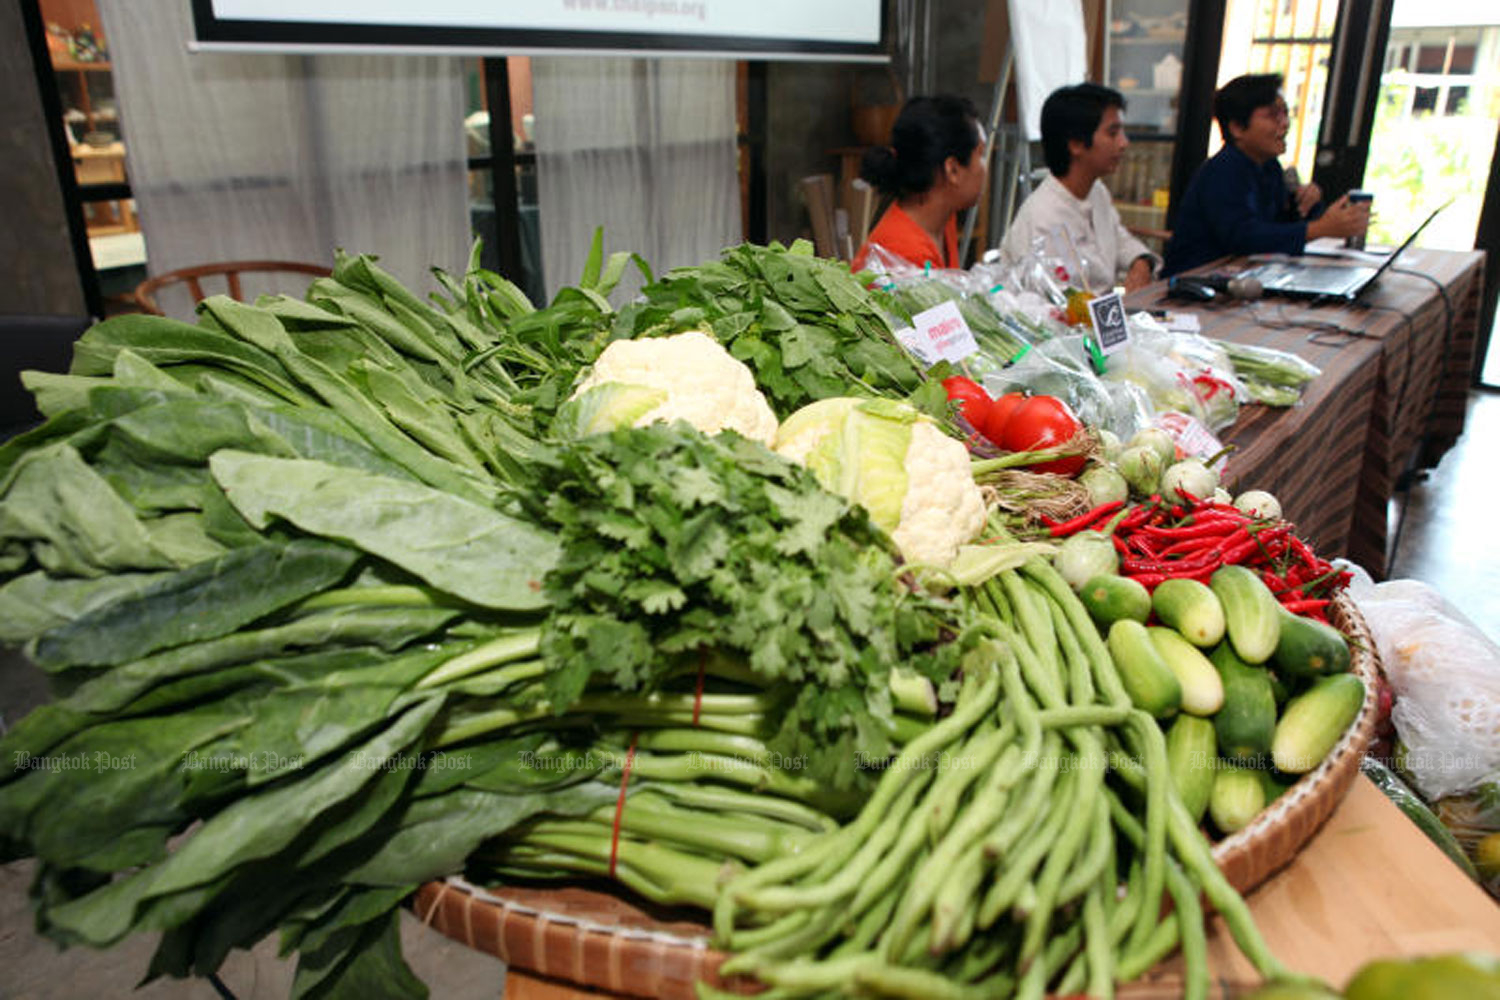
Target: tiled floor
{"x": 1447, "y": 540}
{"x": 1449, "y": 536}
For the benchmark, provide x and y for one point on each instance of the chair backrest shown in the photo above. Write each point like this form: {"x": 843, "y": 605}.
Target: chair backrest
{"x": 145, "y": 292}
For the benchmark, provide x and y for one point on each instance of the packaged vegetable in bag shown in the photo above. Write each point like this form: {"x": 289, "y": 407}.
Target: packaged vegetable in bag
{"x": 1272, "y": 377}
{"x": 1179, "y": 371}
{"x": 1061, "y": 368}
{"x": 1445, "y": 674}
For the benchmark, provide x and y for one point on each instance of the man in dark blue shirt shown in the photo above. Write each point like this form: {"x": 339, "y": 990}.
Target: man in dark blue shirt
{"x": 1239, "y": 201}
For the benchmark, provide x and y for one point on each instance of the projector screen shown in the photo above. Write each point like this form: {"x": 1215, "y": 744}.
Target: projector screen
{"x": 850, "y": 30}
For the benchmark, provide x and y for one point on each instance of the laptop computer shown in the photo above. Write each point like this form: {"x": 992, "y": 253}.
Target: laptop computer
{"x": 1295, "y": 279}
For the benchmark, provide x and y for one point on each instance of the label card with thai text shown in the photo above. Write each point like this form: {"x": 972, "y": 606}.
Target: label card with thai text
{"x": 944, "y": 333}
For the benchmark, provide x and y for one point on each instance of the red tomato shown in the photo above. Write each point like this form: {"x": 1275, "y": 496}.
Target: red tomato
{"x": 1042, "y": 422}
{"x": 999, "y": 415}
{"x": 974, "y": 402}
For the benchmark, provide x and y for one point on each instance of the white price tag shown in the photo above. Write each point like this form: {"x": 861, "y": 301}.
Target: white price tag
{"x": 1195, "y": 440}
{"x": 944, "y": 332}
{"x": 1111, "y": 332}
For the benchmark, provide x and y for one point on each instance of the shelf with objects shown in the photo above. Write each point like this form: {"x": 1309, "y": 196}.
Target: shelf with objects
{"x": 1143, "y": 61}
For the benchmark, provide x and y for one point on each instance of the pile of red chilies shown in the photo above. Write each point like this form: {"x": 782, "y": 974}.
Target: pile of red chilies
{"x": 1158, "y": 541}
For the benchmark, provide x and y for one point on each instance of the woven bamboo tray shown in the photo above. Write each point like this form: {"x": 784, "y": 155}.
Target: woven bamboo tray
{"x": 597, "y": 940}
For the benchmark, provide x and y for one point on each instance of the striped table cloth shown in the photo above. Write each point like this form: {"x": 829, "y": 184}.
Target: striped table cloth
{"x": 1396, "y": 370}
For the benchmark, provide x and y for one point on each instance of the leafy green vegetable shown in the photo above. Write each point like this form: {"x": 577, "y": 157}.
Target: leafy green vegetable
{"x": 472, "y": 552}
{"x": 803, "y": 324}
{"x": 207, "y": 600}
{"x": 675, "y": 543}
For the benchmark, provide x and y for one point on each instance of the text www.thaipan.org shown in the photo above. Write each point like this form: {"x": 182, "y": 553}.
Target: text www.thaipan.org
{"x": 646, "y": 8}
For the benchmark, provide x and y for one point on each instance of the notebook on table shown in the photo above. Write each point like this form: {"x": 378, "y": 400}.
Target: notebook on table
{"x": 1300, "y": 280}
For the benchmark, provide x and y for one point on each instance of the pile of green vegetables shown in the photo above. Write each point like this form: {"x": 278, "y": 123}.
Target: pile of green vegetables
{"x": 332, "y": 612}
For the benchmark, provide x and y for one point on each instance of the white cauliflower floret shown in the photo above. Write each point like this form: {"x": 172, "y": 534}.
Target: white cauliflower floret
{"x": 943, "y": 507}
{"x": 912, "y": 478}
{"x": 703, "y": 383}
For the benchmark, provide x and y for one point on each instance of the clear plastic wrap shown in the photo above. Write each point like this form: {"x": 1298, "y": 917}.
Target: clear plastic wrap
{"x": 1179, "y": 371}
{"x": 1445, "y": 674}
{"x": 1061, "y": 367}
{"x": 1000, "y": 335}
{"x": 1272, "y": 377}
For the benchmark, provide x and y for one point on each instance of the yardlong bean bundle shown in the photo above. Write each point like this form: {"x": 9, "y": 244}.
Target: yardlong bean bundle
{"x": 1035, "y": 859}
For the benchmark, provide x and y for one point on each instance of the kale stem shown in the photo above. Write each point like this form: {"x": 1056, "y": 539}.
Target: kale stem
{"x": 506, "y": 648}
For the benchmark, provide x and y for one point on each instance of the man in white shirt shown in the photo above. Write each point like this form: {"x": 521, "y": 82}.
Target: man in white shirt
{"x": 1083, "y": 139}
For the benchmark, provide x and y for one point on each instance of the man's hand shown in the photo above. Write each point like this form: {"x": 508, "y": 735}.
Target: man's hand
{"x": 1308, "y": 195}
{"x": 1343, "y": 218}
{"x": 1139, "y": 275}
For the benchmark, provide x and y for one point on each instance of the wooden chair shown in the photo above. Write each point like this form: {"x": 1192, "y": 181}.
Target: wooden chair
{"x": 145, "y": 292}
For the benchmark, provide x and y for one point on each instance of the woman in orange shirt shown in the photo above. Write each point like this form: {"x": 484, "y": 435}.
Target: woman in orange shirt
{"x": 933, "y": 169}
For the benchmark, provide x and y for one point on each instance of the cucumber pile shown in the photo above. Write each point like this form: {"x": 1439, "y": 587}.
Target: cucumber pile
{"x": 1250, "y": 695}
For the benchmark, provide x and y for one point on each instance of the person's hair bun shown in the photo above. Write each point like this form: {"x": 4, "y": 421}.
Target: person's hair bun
{"x": 926, "y": 132}
{"x": 879, "y": 167}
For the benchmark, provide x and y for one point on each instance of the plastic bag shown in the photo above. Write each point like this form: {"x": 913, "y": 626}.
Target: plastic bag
{"x": 916, "y": 289}
{"x": 1272, "y": 377}
{"x": 1474, "y": 821}
{"x": 1179, "y": 371}
{"x": 1060, "y": 367}
{"x": 1445, "y": 674}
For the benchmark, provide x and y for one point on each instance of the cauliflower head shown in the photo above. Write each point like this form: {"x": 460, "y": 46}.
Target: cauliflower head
{"x": 686, "y": 376}
{"x": 912, "y": 478}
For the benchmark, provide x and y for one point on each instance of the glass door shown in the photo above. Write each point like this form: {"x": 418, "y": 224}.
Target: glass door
{"x": 1434, "y": 132}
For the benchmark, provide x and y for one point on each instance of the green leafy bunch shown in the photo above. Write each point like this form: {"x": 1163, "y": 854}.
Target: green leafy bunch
{"x": 675, "y": 544}
{"x": 806, "y": 327}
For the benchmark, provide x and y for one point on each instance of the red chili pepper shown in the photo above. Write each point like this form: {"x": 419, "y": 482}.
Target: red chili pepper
{"x": 1077, "y": 524}
{"x": 1209, "y": 529}
{"x": 1274, "y": 583}
{"x": 1255, "y": 543}
{"x": 1217, "y": 512}
{"x": 1149, "y": 580}
{"x": 1305, "y": 606}
{"x": 1174, "y": 567}
{"x": 1138, "y": 516}
{"x": 1120, "y": 545}
{"x": 1304, "y": 553}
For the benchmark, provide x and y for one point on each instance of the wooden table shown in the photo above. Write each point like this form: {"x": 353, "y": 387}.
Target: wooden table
{"x": 1369, "y": 885}
{"x": 1396, "y": 373}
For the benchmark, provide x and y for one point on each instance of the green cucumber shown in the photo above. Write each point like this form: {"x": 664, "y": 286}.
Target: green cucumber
{"x": 1110, "y": 598}
{"x": 1238, "y": 796}
{"x": 1308, "y": 648}
{"x": 1148, "y": 680}
{"x": 1313, "y": 722}
{"x": 1247, "y": 722}
{"x": 1252, "y": 616}
{"x": 1202, "y": 691}
{"x": 1191, "y": 759}
{"x": 1191, "y": 608}
{"x": 1274, "y": 783}
{"x": 1279, "y": 689}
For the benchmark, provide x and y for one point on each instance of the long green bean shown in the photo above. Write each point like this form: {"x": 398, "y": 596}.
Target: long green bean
{"x": 977, "y": 697}
{"x": 1105, "y": 675}
{"x": 1019, "y": 867}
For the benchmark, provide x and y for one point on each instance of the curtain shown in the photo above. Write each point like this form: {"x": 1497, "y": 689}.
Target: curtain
{"x": 271, "y": 156}
{"x": 647, "y": 149}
